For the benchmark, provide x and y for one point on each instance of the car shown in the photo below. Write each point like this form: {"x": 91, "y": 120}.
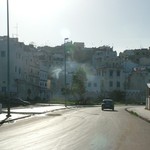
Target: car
{"x": 107, "y": 104}
{"x": 18, "y": 101}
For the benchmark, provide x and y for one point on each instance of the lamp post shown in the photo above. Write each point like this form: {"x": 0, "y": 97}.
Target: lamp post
{"x": 8, "y": 70}
{"x": 65, "y": 39}
{"x": 126, "y": 58}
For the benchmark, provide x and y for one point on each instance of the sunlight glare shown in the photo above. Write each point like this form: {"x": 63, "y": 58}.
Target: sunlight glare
{"x": 40, "y": 7}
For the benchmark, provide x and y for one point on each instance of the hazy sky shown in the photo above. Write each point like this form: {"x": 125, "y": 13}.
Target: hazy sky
{"x": 123, "y": 24}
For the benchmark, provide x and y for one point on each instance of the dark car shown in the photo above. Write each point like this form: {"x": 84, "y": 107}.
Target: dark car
{"x": 107, "y": 104}
{"x": 18, "y": 102}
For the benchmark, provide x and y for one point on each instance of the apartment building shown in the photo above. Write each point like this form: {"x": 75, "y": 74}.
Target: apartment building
{"x": 15, "y": 65}
{"x": 137, "y": 80}
{"x": 24, "y": 70}
{"x": 92, "y": 86}
{"x": 112, "y": 76}
{"x": 43, "y": 81}
{"x": 3, "y": 65}
{"x": 101, "y": 54}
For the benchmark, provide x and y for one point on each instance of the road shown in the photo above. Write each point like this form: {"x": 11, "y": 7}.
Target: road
{"x": 77, "y": 129}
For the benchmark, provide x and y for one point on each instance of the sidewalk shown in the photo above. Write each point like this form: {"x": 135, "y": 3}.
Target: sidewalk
{"x": 24, "y": 112}
{"x": 140, "y": 111}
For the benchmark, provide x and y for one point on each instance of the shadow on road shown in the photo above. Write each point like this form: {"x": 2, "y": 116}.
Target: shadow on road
{"x": 108, "y": 110}
{"x": 3, "y": 121}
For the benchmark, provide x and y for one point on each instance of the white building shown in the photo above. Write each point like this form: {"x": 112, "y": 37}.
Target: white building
{"x": 24, "y": 69}
{"x": 15, "y": 64}
{"x": 3, "y": 64}
{"x": 112, "y": 76}
{"x": 43, "y": 82}
{"x": 92, "y": 86}
{"x": 101, "y": 54}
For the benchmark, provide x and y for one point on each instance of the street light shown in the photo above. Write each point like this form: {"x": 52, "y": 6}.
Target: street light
{"x": 126, "y": 58}
{"x": 65, "y": 39}
{"x": 8, "y": 79}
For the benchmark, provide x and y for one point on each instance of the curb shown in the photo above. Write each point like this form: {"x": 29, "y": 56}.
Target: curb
{"x": 28, "y": 114}
{"x": 7, "y": 120}
{"x": 18, "y": 118}
{"x": 34, "y": 113}
{"x": 137, "y": 115}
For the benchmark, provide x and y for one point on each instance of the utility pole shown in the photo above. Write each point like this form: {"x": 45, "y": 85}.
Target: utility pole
{"x": 8, "y": 63}
{"x": 65, "y": 70}
{"x": 126, "y": 58}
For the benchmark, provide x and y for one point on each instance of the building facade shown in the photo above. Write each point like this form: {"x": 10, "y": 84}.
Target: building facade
{"x": 24, "y": 70}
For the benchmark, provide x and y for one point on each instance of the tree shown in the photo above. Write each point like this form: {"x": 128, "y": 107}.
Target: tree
{"x": 78, "y": 85}
{"x": 117, "y": 95}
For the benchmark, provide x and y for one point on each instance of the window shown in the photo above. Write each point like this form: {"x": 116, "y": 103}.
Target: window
{"x": 89, "y": 84}
{"x": 40, "y": 83}
{"x": 118, "y": 73}
{"x": 19, "y": 70}
{"x": 95, "y": 84}
{"x": 16, "y": 55}
{"x": 110, "y": 84}
{"x": 111, "y": 73}
{"x": 3, "y": 53}
{"x": 118, "y": 84}
{"x": 102, "y": 73}
{"x": 19, "y": 56}
{"x": 45, "y": 84}
{"x": 3, "y": 89}
{"x": 15, "y": 68}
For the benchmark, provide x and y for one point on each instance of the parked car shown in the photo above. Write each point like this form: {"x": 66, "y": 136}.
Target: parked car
{"x": 107, "y": 104}
{"x": 18, "y": 101}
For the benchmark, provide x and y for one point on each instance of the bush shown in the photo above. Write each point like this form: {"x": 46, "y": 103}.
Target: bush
{"x": 118, "y": 96}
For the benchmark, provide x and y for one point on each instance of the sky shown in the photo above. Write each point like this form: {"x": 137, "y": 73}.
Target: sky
{"x": 121, "y": 24}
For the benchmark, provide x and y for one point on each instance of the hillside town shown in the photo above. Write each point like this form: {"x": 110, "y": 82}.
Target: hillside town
{"x": 39, "y": 72}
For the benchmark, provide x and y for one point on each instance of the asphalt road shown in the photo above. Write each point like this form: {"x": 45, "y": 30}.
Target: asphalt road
{"x": 77, "y": 129}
